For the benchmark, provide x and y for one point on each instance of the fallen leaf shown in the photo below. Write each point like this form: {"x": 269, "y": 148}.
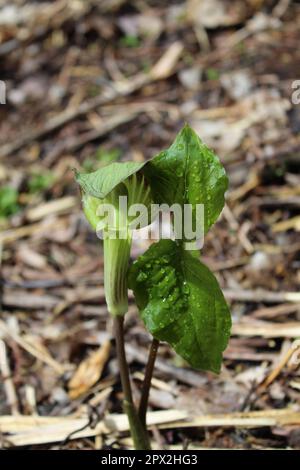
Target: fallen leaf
{"x": 89, "y": 371}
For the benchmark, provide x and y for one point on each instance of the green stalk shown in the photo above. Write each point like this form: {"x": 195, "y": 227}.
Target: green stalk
{"x": 117, "y": 245}
{"x": 116, "y": 260}
{"x": 138, "y": 431}
{"x": 147, "y": 381}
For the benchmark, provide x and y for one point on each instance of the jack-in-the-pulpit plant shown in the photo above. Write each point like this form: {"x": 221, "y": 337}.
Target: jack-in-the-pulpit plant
{"x": 178, "y": 297}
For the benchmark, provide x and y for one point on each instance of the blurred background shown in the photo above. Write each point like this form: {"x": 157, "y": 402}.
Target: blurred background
{"x": 91, "y": 82}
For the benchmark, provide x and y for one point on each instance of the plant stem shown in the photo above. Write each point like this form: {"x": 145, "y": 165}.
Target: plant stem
{"x": 116, "y": 259}
{"x": 147, "y": 381}
{"x": 138, "y": 430}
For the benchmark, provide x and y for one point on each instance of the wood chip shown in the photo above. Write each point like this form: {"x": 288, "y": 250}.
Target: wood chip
{"x": 40, "y": 353}
{"x": 267, "y": 329}
{"x": 260, "y": 295}
{"x": 29, "y": 430}
{"x": 52, "y": 207}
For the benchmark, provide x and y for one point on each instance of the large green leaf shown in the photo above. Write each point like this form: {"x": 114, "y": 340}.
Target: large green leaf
{"x": 180, "y": 302}
{"x": 188, "y": 173}
{"x": 101, "y": 182}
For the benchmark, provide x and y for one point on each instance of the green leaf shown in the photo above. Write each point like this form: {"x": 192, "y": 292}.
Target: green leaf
{"x": 40, "y": 181}
{"x": 188, "y": 173}
{"x": 130, "y": 40}
{"x": 180, "y": 302}
{"x": 101, "y": 182}
{"x": 8, "y": 201}
{"x": 90, "y": 208}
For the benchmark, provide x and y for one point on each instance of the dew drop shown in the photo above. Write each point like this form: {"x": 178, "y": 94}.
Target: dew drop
{"x": 179, "y": 172}
{"x": 185, "y": 288}
{"x": 142, "y": 276}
